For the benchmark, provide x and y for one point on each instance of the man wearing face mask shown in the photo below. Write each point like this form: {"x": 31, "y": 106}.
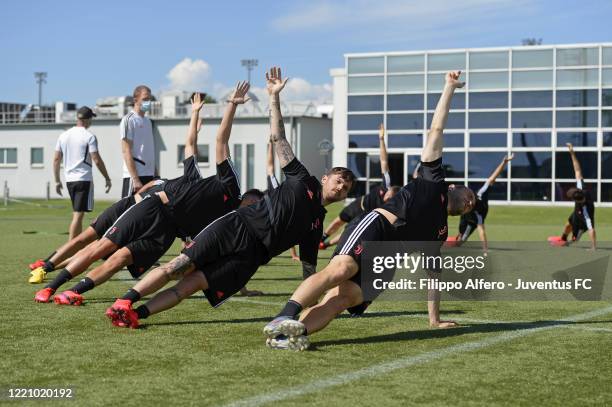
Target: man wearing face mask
{"x": 137, "y": 144}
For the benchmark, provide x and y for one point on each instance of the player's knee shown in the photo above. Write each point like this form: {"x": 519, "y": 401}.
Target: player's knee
{"x": 341, "y": 269}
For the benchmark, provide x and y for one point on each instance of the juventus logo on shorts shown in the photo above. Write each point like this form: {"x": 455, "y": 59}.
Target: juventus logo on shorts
{"x": 358, "y": 249}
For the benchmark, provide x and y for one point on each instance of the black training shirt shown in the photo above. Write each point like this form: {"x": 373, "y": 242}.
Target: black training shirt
{"x": 374, "y": 199}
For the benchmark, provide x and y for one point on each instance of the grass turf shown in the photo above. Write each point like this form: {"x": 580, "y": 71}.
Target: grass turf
{"x": 196, "y": 355}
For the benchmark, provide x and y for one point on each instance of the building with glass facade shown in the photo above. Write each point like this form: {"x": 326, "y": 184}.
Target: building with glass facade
{"x": 528, "y": 100}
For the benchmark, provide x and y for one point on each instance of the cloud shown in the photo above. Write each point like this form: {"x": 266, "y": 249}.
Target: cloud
{"x": 189, "y": 74}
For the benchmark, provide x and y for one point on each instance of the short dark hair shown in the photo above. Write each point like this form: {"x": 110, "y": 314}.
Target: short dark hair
{"x": 344, "y": 173}
{"x": 395, "y": 188}
{"x": 575, "y": 194}
{"x": 253, "y": 193}
{"x": 140, "y": 88}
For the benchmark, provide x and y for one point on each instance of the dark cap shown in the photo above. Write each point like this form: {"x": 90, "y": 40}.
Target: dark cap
{"x": 85, "y": 113}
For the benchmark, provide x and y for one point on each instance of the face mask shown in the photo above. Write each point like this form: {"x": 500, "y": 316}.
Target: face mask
{"x": 145, "y": 105}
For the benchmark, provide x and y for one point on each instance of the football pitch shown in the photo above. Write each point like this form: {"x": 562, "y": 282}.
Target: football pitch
{"x": 504, "y": 353}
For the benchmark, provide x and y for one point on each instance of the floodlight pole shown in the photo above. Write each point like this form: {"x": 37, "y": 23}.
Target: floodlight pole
{"x": 41, "y": 78}
{"x": 250, "y": 64}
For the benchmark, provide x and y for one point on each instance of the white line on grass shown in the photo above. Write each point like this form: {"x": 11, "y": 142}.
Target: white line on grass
{"x": 589, "y": 328}
{"x": 401, "y": 363}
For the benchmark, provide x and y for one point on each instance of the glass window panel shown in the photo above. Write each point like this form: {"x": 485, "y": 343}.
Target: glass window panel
{"x": 532, "y": 58}
{"x": 364, "y": 121}
{"x": 406, "y": 121}
{"x": 481, "y": 165}
{"x": 436, "y": 81}
{"x": 488, "y": 100}
{"x": 454, "y": 164}
{"x": 489, "y": 60}
{"x": 358, "y": 190}
{"x": 529, "y": 164}
{"x": 406, "y": 63}
{"x": 530, "y": 191}
{"x": 488, "y": 120}
{"x": 531, "y": 119}
{"x": 606, "y": 97}
{"x": 366, "y": 65}
{"x": 565, "y": 169}
{"x": 405, "y": 83}
{"x": 374, "y": 162}
{"x": 488, "y": 140}
{"x": 405, "y": 102}
{"x": 532, "y": 79}
{"x": 405, "y": 140}
{"x": 607, "y": 139}
{"x": 531, "y": 139}
{"x": 454, "y": 121}
{"x": 238, "y": 159}
{"x": 578, "y": 139}
{"x": 497, "y": 191}
{"x": 365, "y": 103}
{"x": 454, "y": 139}
{"x": 606, "y": 77}
{"x": 11, "y": 156}
{"x": 363, "y": 141}
{"x": 356, "y": 162}
{"x": 577, "y": 118}
{"x": 446, "y": 62}
{"x": 606, "y": 118}
{"x": 577, "y": 77}
{"x": 606, "y": 192}
{"x": 366, "y": 84}
{"x": 36, "y": 155}
{"x": 606, "y": 165}
{"x": 250, "y": 166}
{"x": 577, "y": 56}
{"x": 538, "y": 98}
{"x": 561, "y": 189}
{"x": 488, "y": 80}
{"x": 2, "y": 155}
{"x": 458, "y": 101}
{"x": 578, "y": 98}
{"x": 607, "y": 56}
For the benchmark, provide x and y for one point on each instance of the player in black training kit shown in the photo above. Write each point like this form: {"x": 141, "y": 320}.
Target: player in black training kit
{"x": 144, "y": 232}
{"x": 364, "y": 204}
{"x": 418, "y": 212}
{"x": 582, "y": 218}
{"x": 476, "y": 218}
{"x": 223, "y": 256}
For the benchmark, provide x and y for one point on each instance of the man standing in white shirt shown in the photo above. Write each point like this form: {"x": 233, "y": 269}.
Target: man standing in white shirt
{"x": 137, "y": 144}
{"x": 78, "y": 147}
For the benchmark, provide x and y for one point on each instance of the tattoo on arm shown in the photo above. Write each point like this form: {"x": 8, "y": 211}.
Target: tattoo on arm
{"x": 277, "y": 134}
{"x": 178, "y": 267}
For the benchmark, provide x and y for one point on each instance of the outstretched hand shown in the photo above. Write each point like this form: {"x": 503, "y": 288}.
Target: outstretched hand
{"x": 452, "y": 79}
{"x": 239, "y": 95}
{"x": 381, "y": 131}
{"x": 570, "y": 147}
{"x": 509, "y": 157}
{"x": 274, "y": 81}
{"x": 197, "y": 102}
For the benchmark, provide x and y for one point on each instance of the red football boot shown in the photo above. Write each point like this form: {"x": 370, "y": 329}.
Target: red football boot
{"x": 38, "y": 263}
{"x": 44, "y": 295}
{"x": 68, "y": 298}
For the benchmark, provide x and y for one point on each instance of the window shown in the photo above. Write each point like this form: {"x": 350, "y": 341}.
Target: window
{"x": 532, "y": 58}
{"x": 356, "y": 162}
{"x": 454, "y": 164}
{"x": 531, "y": 119}
{"x": 367, "y": 84}
{"x": 36, "y": 156}
{"x": 530, "y": 191}
{"x": 8, "y": 156}
{"x": 606, "y": 118}
{"x": 374, "y": 163}
{"x": 202, "y": 153}
{"x": 488, "y": 80}
{"x": 238, "y": 159}
{"x": 406, "y": 63}
{"x": 363, "y": 141}
{"x": 488, "y": 140}
{"x": 529, "y": 164}
{"x": 497, "y": 191}
{"x": 365, "y": 103}
{"x": 453, "y": 139}
{"x": 565, "y": 169}
{"x": 606, "y": 192}
{"x": 407, "y": 121}
{"x": 606, "y": 77}
{"x": 488, "y": 100}
{"x": 606, "y": 165}
{"x": 481, "y": 165}
{"x": 454, "y": 120}
{"x": 577, "y": 98}
{"x": 489, "y": 60}
{"x": 405, "y": 102}
{"x": 606, "y": 97}
{"x": 532, "y": 79}
{"x": 446, "y": 62}
{"x": 607, "y": 139}
{"x": 458, "y": 101}
{"x": 577, "y": 118}
{"x": 561, "y": 189}
{"x": 407, "y": 140}
{"x": 540, "y": 98}
{"x": 485, "y": 120}
{"x": 577, "y": 56}
{"x": 364, "y": 121}
{"x": 366, "y": 65}
{"x": 575, "y": 78}
{"x": 578, "y": 139}
{"x": 607, "y": 56}
{"x": 524, "y": 139}
{"x": 405, "y": 83}
{"x": 250, "y": 181}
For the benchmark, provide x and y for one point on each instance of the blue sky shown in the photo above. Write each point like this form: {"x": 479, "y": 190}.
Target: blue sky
{"x": 106, "y": 48}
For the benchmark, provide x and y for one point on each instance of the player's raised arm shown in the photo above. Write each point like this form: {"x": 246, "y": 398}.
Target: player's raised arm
{"x": 191, "y": 144}
{"x": 384, "y": 157}
{"x": 270, "y": 159}
{"x": 433, "y": 147}
{"x": 274, "y": 85}
{"x": 499, "y": 169}
{"x": 238, "y": 97}
{"x": 575, "y": 163}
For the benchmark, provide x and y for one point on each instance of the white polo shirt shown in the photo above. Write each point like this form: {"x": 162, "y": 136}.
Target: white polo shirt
{"x": 75, "y": 145}
{"x": 140, "y": 131}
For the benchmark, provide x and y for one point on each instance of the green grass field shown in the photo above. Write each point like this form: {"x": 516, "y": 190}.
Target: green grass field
{"x": 505, "y": 353}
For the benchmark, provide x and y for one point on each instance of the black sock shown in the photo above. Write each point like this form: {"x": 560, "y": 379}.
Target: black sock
{"x": 48, "y": 266}
{"x": 292, "y": 309}
{"x": 305, "y": 333}
{"x": 51, "y": 255}
{"x": 131, "y": 295}
{"x": 324, "y": 237}
{"x": 63, "y": 277}
{"x": 83, "y": 286}
{"x": 564, "y": 236}
{"x": 142, "y": 312}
